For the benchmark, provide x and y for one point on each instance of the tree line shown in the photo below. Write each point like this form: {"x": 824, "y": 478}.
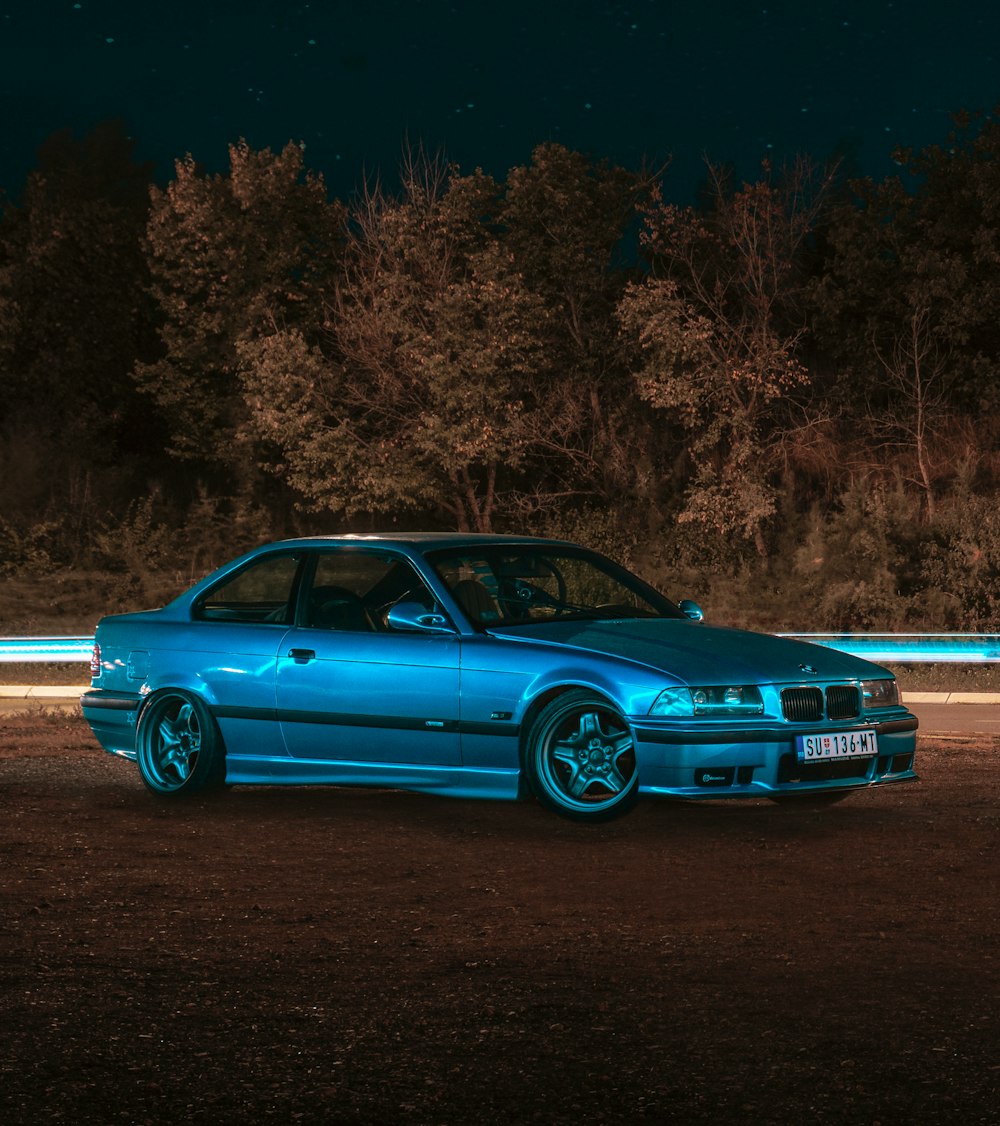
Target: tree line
{"x": 795, "y": 380}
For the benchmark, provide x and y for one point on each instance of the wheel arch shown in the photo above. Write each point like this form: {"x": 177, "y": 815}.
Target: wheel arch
{"x": 178, "y": 687}
{"x": 194, "y": 686}
{"x": 197, "y": 689}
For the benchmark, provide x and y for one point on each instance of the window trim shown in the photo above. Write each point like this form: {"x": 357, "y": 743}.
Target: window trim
{"x": 294, "y": 594}
{"x": 306, "y": 580}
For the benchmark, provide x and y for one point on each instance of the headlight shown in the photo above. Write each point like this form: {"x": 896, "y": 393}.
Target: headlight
{"x": 880, "y": 693}
{"x": 718, "y": 699}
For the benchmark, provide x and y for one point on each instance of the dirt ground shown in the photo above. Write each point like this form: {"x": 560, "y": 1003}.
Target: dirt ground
{"x": 336, "y": 956}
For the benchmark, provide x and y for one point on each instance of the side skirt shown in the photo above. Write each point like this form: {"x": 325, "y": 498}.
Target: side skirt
{"x": 492, "y": 784}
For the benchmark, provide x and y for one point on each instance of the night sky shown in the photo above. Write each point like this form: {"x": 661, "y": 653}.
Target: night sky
{"x": 487, "y": 82}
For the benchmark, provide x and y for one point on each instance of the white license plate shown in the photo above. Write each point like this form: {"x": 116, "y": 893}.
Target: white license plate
{"x": 845, "y": 744}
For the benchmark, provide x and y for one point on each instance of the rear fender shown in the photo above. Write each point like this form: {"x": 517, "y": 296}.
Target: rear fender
{"x": 177, "y": 682}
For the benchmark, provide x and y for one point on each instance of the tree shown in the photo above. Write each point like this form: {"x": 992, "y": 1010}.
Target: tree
{"x": 232, "y": 256}
{"x": 718, "y": 325}
{"x": 470, "y": 362}
{"x": 905, "y": 307}
{"x": 916, "y": 369}
{"x": 409, "y": 394}
{"x": 73, "y": 316}
{"x": 565, "y": 219}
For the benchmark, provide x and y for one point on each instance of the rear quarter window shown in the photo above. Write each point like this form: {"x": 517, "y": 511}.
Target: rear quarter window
{"x": 261, "y": 592}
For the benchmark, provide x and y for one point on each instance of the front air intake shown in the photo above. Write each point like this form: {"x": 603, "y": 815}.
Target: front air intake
{"x": 842, "y": 701}
{"x": 802, "y": 705}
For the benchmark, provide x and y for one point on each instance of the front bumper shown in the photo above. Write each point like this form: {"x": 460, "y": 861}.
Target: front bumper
{"x": 718, "y": 759}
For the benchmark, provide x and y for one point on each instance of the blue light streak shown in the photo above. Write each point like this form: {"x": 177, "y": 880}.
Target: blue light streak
{"x": 891, "y": 648}
{"x": 911, "y": 648}
{"x": 50, "y": 649}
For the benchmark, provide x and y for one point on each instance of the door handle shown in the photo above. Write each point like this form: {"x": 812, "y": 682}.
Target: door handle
{"x": 301, "y": 656}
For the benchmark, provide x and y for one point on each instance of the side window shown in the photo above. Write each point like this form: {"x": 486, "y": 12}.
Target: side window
{"x": 472, "y": 581}
{"x": 354, "y": 590}
{"x": 261, "y": 592}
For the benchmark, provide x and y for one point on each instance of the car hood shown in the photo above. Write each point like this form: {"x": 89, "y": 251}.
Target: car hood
{"x": 696, "y": 653}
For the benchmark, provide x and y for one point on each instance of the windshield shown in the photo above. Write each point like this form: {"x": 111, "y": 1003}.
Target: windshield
{"x": 520, "y": 585}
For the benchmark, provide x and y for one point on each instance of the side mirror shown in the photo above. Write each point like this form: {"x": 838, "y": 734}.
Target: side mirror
{"x": 416, "y": 618}
{"x": 691, "y": 609}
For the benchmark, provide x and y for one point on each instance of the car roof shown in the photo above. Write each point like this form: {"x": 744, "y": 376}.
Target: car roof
{"x": 412, "y": 544}
{"x": 418, "y": 540}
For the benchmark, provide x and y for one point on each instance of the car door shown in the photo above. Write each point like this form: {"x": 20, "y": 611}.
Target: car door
{"x": 229, "y": 650}
{"x": 349, "y": 688}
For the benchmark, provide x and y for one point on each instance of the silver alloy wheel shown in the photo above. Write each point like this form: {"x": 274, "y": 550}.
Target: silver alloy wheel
{"x": 178, "y": 747}
{"x": 581, "y": 758}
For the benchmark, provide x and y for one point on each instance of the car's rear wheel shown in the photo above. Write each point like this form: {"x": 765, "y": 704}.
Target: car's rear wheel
{"x": 178, "y": 746}
{"x": 580, "y": 759}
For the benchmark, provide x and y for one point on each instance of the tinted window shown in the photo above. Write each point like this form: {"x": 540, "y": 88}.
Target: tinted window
{"x": 354, "y": 590}
{"x": 520, "y": 585}
{"x": 261, "y": 592}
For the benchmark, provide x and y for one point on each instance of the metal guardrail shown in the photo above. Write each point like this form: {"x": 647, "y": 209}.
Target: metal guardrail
{"x": 893, "y": 648}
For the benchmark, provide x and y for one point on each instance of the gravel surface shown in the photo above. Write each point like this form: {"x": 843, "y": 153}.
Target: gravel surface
{"x": 335, "y": 956}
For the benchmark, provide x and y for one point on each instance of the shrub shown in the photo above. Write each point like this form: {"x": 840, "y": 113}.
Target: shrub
{"x": 29, "y": 548}
{"x": 960, "y": 570}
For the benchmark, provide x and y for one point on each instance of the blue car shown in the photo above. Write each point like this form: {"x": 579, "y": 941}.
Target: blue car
{"x": 480, "y": 666}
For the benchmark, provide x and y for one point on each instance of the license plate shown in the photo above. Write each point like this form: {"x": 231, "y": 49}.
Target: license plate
{"x": 845, "y": 744}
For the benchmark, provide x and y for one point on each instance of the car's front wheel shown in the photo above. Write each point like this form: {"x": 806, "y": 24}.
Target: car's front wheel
{"x": 178, "y": 746}
{"x": 580, "y": 759}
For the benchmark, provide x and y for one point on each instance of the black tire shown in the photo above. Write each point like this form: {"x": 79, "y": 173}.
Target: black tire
{"x": 810, "y": 801}
{"x": 579, "y": 759}
{"x": 178, "y": 746}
